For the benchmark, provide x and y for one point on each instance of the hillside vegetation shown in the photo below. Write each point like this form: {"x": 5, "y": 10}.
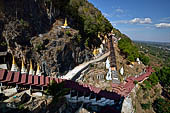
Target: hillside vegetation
{"x": 129, "y": 49}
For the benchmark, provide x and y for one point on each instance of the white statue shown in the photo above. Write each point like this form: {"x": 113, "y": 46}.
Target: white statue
{"x": 138, "y": 60}
{"x": 100, "y": 51}
{"x": 121, "y": 71}
{"x": 109, "y": 75}
{"x": 101, "y": 46}
{"x": 107, "y": 64}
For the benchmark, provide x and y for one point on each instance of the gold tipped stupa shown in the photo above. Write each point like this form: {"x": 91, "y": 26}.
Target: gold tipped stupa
{"x": 98, "y": 35}
{"x": 30, "y": 64}
{"x": 13, "y": 60}
{"x": 23, "y": 69}
{"x": 14, "y": 65}
{"x": 38, "y": 72}
{"x": 31, "y": 71}
{"x": 23, "y": 63}
{"x": 95, "y": 52}
{"x": 65, "y": 23}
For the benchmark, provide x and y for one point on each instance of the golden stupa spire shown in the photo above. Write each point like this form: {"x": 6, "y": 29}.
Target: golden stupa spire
{"x": 95, "y": 52}
{"x": 98, "y": 35}
{"x": 65, "y": 23}
{"x": 30, "y": 64}
{"x": 14, "y": 65}
{"x": 23, "y": 63}
{"x": 38, "y": 70}
{"x": 13, "y": 60}
{"x": 31, "y": 71}
{"x": 23, "y": 69}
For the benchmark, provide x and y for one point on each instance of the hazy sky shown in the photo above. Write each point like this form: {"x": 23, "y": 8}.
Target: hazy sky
{"x": 147, "y": 20}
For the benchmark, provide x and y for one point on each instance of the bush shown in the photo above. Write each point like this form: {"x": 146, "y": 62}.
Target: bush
{"x": 128, "y": 48}
{"x": 21, "y": 106}
{"x": 147, "y": 85}
{"x": 146, "y": 106}
{"x": 39, "y": 47}
{"x": 153, "y": 79}
{"x": 146, "y": 95}
{"x": 144, "y": 59}
{"x": 56, "y": 89}
{"x": 91, "y": 65}
{"x": 163, "y": 76}
{"x": 161, "y": 105}
{"x": 68, "y": 33}
{"x": 135, "y": 82}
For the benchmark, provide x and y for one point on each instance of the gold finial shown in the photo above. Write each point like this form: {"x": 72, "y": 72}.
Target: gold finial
{"x": 31, "y": 65}
{"x": 38, "y": 67}
{"x": 23, "y": 70}
{"x": 14, "y": 66}
{"x": 65, "y": 23}
{"x": 38, "y": 70}
{"x": 13, "y": 61}
{"x": 99, "y": 35}
{"x": 22, "y": 63}
{"x": 31, "y": 71}
{"x": 95, "y": 52}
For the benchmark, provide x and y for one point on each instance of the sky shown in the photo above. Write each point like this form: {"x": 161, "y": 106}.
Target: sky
{"x": 144, "y": 20}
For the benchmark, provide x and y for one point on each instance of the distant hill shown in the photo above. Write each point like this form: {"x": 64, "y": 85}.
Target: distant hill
{"x": 159, "y": 52}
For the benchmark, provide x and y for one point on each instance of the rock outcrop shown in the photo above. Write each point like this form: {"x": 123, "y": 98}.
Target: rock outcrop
{"x": 26, "y": 27}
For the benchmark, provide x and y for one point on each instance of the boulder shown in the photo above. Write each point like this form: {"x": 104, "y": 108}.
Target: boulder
{"x": 25, "y": 98}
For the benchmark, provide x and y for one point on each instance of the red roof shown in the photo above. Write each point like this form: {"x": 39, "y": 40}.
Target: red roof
{"x": 57, "y": 80}
{"x": 60, "y": 80}
{"x": 47, "y": 81}
{"x": 52, "y": 78}
{"x": 23, "y": 79}
{"x": 30, "y": 79}
{"x": 114, "y": 85}
{"x": 120, "y": 89}
{"x": 35, "y": 79}
{"x": 2, "y": 74}
{"x": 16, "y": 77}
{"x": 9, "y": 76}
{"x": 131, "y": 78}
{"x": 42, "y": 80}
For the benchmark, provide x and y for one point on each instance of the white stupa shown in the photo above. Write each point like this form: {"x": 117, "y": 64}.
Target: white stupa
{"x": 122, "y": 71}
{"x": 38, "y": 72}
{"x": 107, "y": 63}
{"x": 31, "y": 71}
{"x": 101, "y": 46}
{"x": 14, "y": 65}
{"x": 65, "y": 24}
{"x": 100, "y": 51}
{"x": 23, "y": 69}
{"x": 137, "y": 59}
{"x": 109, "y": 75}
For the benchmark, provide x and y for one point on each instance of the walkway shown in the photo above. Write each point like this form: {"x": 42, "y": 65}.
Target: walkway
{"x": 119, "y": 90}
{"x": 73, "y": 74}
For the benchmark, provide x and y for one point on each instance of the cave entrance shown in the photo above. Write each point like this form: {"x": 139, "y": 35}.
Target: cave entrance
{"x": 5, "y": 60}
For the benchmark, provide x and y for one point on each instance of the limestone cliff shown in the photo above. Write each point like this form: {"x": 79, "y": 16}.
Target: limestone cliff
{"x": 28, "y": 29}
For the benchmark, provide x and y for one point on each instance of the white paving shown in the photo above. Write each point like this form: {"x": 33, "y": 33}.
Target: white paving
{"x": 81, "y": 67}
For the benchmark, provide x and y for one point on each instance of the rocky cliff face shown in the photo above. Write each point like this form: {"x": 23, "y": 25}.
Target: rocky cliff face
{"x": 59, "y": 50}
{"x": 26, "y": 28}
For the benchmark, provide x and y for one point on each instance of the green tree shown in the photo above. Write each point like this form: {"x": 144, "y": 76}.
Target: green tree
{"x": 144, "y": 59}
{"x": 154, "y": 79}
{"x": 146, "y": 106}
{"x": 128, "y": 48}
{"x": 161, "y": 106}
{"x": 164, "y": 76}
